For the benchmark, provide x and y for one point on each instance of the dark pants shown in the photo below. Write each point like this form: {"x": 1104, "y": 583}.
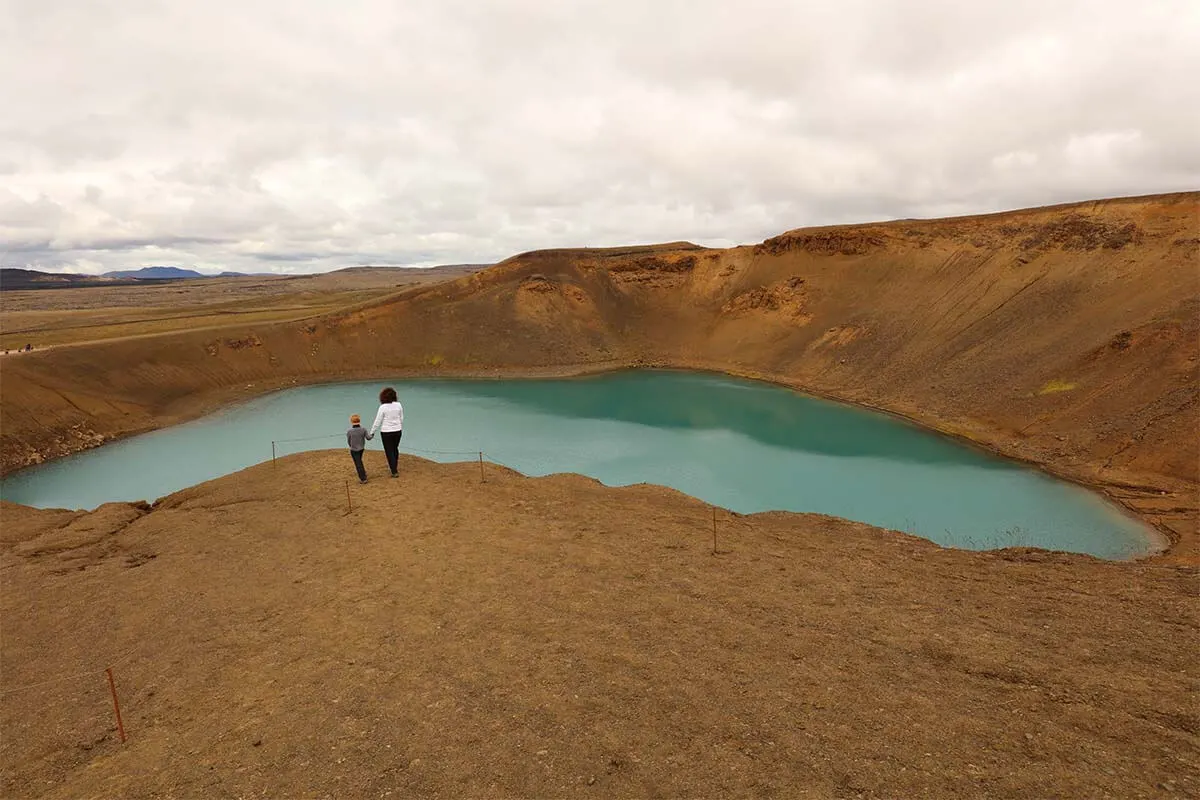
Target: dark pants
{"x": 357, "y": 456}
{"x": 391, "y": 447}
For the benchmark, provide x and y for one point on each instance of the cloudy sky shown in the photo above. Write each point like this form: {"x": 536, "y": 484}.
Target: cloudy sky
{"x": 304, "y": 135}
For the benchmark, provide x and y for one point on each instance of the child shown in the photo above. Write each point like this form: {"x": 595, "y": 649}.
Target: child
{"x": 357, "y": 438}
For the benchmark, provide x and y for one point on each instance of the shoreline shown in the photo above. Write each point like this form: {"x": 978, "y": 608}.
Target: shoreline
{"x": 1160, "y": 539}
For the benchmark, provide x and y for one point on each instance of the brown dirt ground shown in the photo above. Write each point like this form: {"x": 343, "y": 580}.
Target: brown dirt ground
{"x": 553, "y": 637}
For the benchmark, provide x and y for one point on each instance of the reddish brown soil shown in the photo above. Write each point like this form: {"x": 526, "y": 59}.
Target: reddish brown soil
{"x": 1067, "y": 336}
{"x": 552, "y": 637}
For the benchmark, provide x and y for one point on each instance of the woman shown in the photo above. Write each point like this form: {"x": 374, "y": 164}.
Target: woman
{"x": 389, "y": 421}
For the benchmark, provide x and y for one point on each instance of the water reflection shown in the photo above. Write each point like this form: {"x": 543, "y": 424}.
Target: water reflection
{"x": 769, "y": 414}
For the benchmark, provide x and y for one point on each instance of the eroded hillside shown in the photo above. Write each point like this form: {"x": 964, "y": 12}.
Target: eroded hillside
{"x": 1068, "y": 336}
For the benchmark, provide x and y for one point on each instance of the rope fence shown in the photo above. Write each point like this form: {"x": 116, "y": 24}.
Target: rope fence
{"x": 86, "y": 693}
{"x": 733, "y": 517}
{"x": 481, "y": 456}
{"x": 424, "y": 451}
{"x": 442, "y": 452}
{"x": 106, "y": 678}
{"x": 94, "y": 671}
{"x": 310, "y": 438}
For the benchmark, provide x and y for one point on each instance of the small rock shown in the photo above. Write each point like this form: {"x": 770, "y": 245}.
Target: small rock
{"x": 591, "y": 780}
{"x": 258, "y": 742}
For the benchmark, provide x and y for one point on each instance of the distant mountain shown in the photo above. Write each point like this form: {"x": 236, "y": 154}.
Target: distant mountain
{"x": 156, "y": 273}
{"x": 13, "y": 279}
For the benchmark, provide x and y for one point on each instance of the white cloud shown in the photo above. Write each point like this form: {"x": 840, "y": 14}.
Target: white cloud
{"x": 314, "y": 134}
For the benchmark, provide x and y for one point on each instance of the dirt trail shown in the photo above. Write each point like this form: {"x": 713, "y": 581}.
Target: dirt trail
{"x": 553, "y": 637}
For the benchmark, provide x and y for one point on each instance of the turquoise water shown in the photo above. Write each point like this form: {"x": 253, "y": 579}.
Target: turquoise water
{"x": 741, "y": 445}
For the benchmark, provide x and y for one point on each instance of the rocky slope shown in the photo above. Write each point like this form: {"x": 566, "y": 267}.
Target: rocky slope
{"x": 1067, "y": 336}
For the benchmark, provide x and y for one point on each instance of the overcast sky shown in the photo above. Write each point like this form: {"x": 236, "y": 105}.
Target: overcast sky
{"x": 304, "y": 135}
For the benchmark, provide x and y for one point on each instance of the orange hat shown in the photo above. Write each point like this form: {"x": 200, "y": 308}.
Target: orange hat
{"x": 355, "y": 419}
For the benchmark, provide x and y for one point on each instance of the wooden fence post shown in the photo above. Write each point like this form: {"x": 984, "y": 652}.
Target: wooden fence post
{"x": 112, "y": 687}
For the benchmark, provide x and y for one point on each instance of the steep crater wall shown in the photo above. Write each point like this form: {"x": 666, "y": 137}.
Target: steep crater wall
{"x": 1065, "y": 336}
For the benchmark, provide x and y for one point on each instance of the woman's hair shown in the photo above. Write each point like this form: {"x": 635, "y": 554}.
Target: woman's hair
{"x": 388, "y": 395}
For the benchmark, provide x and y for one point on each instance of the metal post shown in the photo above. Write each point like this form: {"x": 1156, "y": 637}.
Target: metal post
{"x": 272, "y": 453}
{"x": 481, "y": 466}
{"x": 112, "y": 687}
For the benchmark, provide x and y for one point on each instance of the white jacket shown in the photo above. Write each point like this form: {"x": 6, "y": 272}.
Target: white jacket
{"x": 390, "y": 418}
